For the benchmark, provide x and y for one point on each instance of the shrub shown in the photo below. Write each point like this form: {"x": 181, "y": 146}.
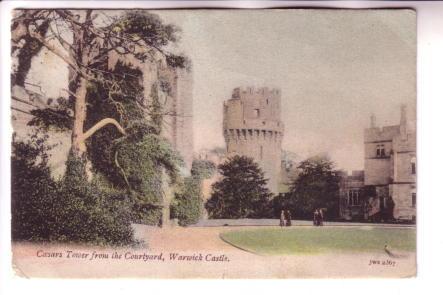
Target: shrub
{"x": 71, "y": 210}
{"x": 32, "y": 191}
{"x": 187, "y": 205}
{"x": 202, "y": 169}
{"x": 91, "y": 212}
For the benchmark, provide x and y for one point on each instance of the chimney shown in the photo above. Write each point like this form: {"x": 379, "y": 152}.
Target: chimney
{"x": 373, "y": 124}
{"x": 403, "y": 122}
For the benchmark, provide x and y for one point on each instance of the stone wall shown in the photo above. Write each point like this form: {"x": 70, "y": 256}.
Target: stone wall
{"x": 22, "y": 102}
{"x": 178, "y": 112}
{"x": 378, "y": 167}
{"x": 402, "y": 195}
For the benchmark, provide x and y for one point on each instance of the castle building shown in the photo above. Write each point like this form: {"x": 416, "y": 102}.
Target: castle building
{"x": 352, "y": 198}
{"x": 390, "y": 168}
{"x": 386, "y": 189}
{"x": 252, "y": 128}
{"x": 178, "y": 114}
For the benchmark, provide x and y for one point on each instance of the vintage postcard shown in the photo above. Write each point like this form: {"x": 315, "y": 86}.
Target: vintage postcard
{"x": 194, "y": 143}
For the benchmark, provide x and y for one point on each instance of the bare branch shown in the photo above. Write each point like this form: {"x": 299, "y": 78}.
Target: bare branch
{"x": 68, "y": 47}
{"x": 55, "y": 50}
{"x": 100, "y": 125}
{"x": 121, "y": 169}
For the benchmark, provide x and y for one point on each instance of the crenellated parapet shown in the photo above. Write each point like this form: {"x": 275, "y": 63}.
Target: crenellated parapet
{"x": 254, "y": 135}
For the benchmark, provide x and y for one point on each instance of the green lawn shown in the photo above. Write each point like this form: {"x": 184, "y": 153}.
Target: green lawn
{"x": 321, "y": 239}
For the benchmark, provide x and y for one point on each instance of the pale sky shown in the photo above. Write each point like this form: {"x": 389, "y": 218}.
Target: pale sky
{"x": 334, "y": 67}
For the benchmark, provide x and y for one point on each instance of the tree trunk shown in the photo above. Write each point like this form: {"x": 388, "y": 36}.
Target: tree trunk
{"x": 78, "y": 144}
{"x": 167, "y": 194}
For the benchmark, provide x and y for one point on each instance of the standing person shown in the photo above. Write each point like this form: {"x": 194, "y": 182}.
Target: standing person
{"x": 316, "y": 217}
{"x": 288, "y": 218}
{"x": 320, "y": 217}
{"x": 282, "y": 218}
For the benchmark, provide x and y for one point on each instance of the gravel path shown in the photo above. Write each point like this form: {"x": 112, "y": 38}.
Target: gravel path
{"x": 276, "y": 222}
{"x": 204, "y": 255}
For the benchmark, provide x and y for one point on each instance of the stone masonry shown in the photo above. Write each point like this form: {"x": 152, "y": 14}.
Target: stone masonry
{"x": 390, "y": 166}
{"x": 252, "y": 127}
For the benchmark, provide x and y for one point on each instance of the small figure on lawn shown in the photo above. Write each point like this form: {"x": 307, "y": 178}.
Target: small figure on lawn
{"x": 320, "y": 217}
{"x": 288, "y": 218}
{"x": 316, "y": 217}
{"x": 282, "y": 218}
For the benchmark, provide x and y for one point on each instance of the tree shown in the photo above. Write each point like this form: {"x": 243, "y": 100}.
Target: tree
{"x": 317, "y": 186}
{"x": 113, "y": 125}
{"x": 136, "y": 34}
{"x": 187, "y": 205}
{"x": 241, "y": 193}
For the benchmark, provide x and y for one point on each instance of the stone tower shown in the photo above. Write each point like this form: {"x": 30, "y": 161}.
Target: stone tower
{"x": 252, "y": 127}
{"x": 177, "y": 105}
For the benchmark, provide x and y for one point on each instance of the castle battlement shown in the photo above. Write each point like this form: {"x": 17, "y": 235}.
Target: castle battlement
{"x": 254, "y": 109}
{"x": 247, "y": 91}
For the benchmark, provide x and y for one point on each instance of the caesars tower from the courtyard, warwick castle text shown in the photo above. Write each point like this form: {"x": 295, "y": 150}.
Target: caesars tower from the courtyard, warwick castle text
{"x": 252, "y": 128}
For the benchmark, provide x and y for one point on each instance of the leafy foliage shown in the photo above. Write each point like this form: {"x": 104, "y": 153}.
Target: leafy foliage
{"x": 87, "y": 212}
{"x": 32, "y": 190}
{"x": 134, "y": 162}
{"x": 71, "y": 210}
{"x": 317, "y": 186}
{"x": 241, "y": 193}
{"x": 56, "y": 118}
{"x": 178, "y": 61}
{"x": 141, "y": 165}
{"x": 202, "y": 169}
{"x": 187, "y": 205}
{"x": 147, "y": 27}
